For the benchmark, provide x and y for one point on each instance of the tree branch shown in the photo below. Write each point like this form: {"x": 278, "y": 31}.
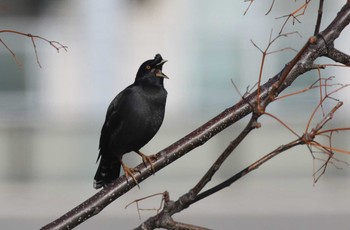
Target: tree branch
{"x": 198, "y": 137}
{"x": 252, "y": 124}
{"x": 319, "y": 17}
{"x": 338, "y": 56}
{"x": 191, "y": 197}
{"x": 55, "y": 44}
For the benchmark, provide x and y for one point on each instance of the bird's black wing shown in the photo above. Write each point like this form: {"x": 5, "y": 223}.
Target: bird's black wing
{"x": 109, "y": 166}
{"x": 112, "y": 123}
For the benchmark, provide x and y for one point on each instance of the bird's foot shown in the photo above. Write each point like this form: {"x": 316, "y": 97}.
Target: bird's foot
{"x": 129, "y": 172}
{"x": 148, "y": 159}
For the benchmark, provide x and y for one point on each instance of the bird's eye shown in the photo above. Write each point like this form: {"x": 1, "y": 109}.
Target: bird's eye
{"x": 148, "y": 67}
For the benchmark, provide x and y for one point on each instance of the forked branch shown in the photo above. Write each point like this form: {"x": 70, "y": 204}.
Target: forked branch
{"x": 55, "y": 44}
{"x": 194, "y": 196}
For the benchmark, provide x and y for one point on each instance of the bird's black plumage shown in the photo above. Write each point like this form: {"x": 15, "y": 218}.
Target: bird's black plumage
{"x": 133, "y": 118}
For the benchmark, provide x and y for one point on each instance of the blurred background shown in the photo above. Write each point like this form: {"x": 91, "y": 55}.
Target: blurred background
{"x": 51, "y": 117}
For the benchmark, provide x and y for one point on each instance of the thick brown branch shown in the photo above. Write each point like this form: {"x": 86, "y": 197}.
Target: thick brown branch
{"x": 175, "y": 225}
{"x": 338, "y": 56}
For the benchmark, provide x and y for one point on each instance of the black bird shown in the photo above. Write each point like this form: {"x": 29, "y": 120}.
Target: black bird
{"x": 133, "y": 118}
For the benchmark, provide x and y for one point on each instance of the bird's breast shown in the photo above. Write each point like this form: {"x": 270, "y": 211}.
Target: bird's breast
{"x": 147, "y": 108}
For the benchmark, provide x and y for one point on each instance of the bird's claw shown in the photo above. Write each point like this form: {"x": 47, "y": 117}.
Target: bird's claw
{"x": 148, "y": 159}
{"x": 129, "y": 172}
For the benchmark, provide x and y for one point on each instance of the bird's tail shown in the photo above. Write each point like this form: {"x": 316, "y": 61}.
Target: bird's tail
{"x": 107, "y": 171}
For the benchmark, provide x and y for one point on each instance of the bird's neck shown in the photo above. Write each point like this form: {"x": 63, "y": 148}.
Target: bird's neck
{"x": 154, "y": 82}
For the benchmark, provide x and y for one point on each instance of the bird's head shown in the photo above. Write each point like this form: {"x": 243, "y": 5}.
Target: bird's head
{"x": 152, "y": 67}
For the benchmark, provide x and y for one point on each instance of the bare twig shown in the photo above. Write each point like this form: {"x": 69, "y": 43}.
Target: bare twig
{"x": 250, "y": 3}
{"x": 294, "y": 15}
{"x": 261, "y": 108}
{"x": 148, "y": 209}
{"x": 55, "y": 44}
{"x": 271, "y": 6}
{"x": 164, "y": 219}
{"x": 18, "y": 62}
{"x": 312, "y": 86}
{"x": 282, "y": 123}
{"x": 321, "y": 102}
{"x": 319, "y": 18}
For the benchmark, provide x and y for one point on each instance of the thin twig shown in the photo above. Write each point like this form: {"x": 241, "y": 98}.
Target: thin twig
{"x": 36, "y": 51}
{"x": 144, "y": 198}
{"x": 250, "y": 3}
{"x": 55, "y": 44}
{"x": 294, "y": 15}
{"x": 271, "y": 6}
{"x": 18, "y": 62}
{"x": 319, "y": 17}
{"x": 261, "y": 108}
{"x": 282, "y": 123}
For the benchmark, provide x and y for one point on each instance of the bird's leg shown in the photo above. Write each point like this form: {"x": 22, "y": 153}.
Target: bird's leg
{"x": 145, "y": 159}
{"x": 129, "y": 172}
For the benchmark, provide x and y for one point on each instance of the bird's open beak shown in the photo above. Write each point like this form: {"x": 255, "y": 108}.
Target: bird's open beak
{"x": 162, "y": 62}
{"x": 161, "y": 74}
